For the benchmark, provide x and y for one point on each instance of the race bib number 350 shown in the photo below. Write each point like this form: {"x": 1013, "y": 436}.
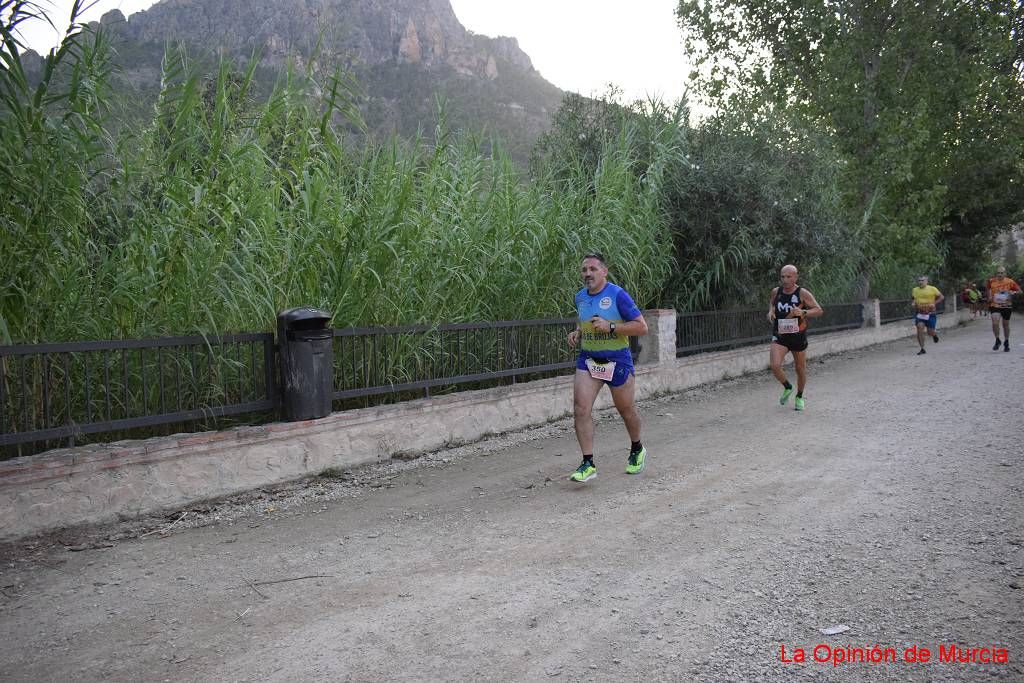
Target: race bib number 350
{"x": 603, "y": 371}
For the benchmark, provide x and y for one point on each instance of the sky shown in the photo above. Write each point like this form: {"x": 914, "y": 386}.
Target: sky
{"x": 579, "y": 45}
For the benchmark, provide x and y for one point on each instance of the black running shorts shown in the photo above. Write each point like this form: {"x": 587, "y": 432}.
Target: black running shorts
{"x": 793, "y": 342}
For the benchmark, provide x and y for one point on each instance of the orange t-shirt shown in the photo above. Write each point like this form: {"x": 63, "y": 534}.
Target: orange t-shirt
{"x": 1000, "y": 292}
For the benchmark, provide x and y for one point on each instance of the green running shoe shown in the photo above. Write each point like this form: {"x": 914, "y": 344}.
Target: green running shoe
{"x": 636, "y": 462}
{"x": 785, "y": 396}
{"x": 585, "y": 472}
{"x": 798, "y": 404}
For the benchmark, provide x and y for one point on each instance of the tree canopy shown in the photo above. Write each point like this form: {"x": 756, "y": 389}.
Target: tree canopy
{"x": 922, "y": 100}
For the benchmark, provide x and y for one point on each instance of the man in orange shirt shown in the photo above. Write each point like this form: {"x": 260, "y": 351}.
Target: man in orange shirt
{"x": 1000, "y": 304}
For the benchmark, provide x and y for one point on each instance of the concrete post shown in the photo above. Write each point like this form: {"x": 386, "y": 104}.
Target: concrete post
{"x": 872, "y": 313}
{"x": 659, "y": 346}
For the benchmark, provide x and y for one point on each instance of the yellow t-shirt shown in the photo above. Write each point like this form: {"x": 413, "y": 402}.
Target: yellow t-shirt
{"x": 924, "y": 296}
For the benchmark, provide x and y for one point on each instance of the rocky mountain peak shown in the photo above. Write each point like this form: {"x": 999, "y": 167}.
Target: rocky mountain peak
{"x": 407, "y": 55}
{"x": 370, "y": 32}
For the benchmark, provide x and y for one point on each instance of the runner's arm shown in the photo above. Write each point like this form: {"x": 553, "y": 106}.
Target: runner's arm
{"x": 771, "y": 305}
{"x": 637, "y": 327}
{"x": 811, "y": 309}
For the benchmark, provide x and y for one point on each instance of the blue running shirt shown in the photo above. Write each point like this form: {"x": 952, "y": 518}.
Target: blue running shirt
{"x": 614, "y": 305}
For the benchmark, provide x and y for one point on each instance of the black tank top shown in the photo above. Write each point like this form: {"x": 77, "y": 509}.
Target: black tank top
{"x": 784, "y": 303}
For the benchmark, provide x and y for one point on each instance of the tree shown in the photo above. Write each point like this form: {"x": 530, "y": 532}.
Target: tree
{"x": 903, "y": 89}
{"x": 734, "y": 198}
{"x": 986, "y": 170}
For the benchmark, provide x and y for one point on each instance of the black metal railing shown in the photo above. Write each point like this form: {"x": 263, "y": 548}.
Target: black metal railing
{"x": 894, "y": 310}
{"x": 837, "y": 317}
{"x": 56, "y": 393}
{"x": 721, "y": 330}
{"x": 420, "y": 360}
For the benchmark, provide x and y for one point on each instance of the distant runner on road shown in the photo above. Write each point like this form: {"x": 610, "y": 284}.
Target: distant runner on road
{"x": 925, "y": 298}
{"x": 1000, "y": 304}
{"x": 789, "y": 306}
{"x": 605, "y": 319}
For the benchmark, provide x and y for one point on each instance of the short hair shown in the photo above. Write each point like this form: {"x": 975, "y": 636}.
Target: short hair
{"x": 595, "y": 255}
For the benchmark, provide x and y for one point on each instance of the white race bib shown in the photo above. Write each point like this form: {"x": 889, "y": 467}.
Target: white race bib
{"x": 789, "y": 325}
{"x": 924, "y": 316}
{"x": 603, "y": 371}
{"x": 1002, "y": 297}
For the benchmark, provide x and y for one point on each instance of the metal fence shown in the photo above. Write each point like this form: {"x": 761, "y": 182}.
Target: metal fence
{"x": 837, "y": 317}
{"x": 54, "y": 394}
{"x": 721, "y": 330}
{"x": 419, "y": 359}
{"x": 894, "y": 310}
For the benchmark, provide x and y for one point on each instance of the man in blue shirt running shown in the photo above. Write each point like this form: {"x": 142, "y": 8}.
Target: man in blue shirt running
{"x": 605, "y": 319}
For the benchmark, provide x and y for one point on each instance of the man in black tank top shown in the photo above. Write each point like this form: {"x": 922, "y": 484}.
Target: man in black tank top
{"x": 789, "y": 306}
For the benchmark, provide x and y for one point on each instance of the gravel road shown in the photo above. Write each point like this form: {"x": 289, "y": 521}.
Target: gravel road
{"x": 894, "y": 506}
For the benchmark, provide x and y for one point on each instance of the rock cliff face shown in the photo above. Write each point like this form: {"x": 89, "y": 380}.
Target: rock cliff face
{"x": 423, "y": 32}
{"x": 405, "y": 53}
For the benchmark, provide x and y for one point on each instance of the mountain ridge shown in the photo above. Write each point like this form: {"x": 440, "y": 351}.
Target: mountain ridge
{"x": 405, "y": 54}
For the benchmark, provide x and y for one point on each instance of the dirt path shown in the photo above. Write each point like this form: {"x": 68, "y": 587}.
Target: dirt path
{"x": 894, "y": 505}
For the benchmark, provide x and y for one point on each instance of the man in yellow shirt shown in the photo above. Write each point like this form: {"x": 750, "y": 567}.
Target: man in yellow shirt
{"x": 926, "y": 298}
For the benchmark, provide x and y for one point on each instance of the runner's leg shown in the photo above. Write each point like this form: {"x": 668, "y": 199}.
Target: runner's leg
{"x": 623, "y": 396}
{"x": 777, "y": 353}
{"x": 800, "y": 363}
{"x": 584, "y": 392}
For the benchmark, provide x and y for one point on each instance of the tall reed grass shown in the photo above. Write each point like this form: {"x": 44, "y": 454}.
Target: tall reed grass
{"x": 224, "y": 209}
{"x": 226, "y": 206}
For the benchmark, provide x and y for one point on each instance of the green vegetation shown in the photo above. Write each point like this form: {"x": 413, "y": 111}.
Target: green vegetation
{"x": 232, "y": 202}
{"x": 922, "y": 102}
{"x": 225, "y": 209}
{"x": 737, "y": 202}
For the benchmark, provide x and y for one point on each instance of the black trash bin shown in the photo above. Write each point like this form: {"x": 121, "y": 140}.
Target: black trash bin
{"x": 306, "y": 344}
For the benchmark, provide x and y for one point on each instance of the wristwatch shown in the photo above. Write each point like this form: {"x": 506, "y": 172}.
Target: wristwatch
{"x": 611, "y": 328}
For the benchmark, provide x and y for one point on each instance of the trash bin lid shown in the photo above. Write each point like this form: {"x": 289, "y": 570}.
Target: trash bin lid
{"x": 310, "y": 334}
{"x": 304, "y": 317}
